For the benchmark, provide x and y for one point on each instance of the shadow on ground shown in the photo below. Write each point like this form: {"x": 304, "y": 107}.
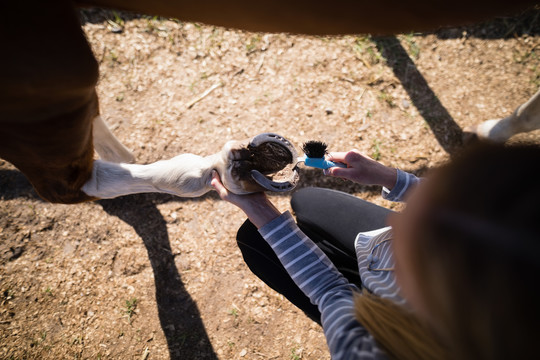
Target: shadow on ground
{"x": 178, "y": 314}
{"x": 526, "y": 22}
{"x": 14, "y": 185}
{"x": 444, "y": 128}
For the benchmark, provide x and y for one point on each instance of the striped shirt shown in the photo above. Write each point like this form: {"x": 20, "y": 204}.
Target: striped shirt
{"x": 327, "y": 288}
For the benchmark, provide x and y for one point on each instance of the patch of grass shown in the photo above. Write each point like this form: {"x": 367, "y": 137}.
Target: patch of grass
{"x": 117, "y": 19}
{"x": 367, "y": 51}
{"x": 387, "y": 98}
{"x": 32, "y": 208}
{"x": 129, "y": 308}
{"x": 48, "y": 290}
{"x": 234, "y": 312}
{"x": 181, "y": 339}
{"x": 294, "y": 355}
{"x": 535, "y": 80}
{"x": 138, "y": 337}
{"x": 526, "y": 56}
{"x": 253, "y": 43}
{"x": 193, "y": 85}
{"x": 376, "y": 154}
{"x": 414, "y": 49}
{"x": 361, "y": 43}
{"x": 113, "y": 56}
{"x": 152, "y": 24}
{"x": 116, "y": 24}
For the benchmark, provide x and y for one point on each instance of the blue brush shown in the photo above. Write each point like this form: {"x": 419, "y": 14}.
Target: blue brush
{"x": 314, "y": 156}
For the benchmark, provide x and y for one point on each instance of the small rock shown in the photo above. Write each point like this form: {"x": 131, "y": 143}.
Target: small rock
{"x": 405, "y": 104}
{"x": 243, "y": 353}
{"x": 363, "y": 127}
{"x": 329, "y": 111}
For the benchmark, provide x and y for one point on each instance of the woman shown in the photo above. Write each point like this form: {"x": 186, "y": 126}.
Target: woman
{"x": 464, "y": 253}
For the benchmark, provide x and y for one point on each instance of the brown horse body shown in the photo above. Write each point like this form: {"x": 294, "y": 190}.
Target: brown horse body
{"x": 48, "y": 102}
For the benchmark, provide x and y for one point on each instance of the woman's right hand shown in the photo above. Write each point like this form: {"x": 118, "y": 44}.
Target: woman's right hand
{"x": 256, "y": 206}
{"x": 362, "y": 169}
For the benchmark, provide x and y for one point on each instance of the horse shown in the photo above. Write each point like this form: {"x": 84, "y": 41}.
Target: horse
{"x": 50, "y": 122}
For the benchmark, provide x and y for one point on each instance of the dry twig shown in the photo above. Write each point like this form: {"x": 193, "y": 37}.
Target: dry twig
{"x": 203, "y": 95}
{"x": 145, "y": 354}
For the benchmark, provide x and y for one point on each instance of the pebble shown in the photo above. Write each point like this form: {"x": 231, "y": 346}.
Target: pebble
{"x": 405, "y": 104}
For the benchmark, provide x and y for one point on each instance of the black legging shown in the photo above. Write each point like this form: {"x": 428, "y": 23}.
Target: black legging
{"x": 332, "y": 219}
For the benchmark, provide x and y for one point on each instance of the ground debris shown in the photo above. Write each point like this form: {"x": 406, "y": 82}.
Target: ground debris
{"x": 67, "y": 296}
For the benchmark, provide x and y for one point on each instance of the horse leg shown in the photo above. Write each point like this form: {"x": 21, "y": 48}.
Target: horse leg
{"x": 107, "y": 145}
{"x": 47, "y": 98}
{"x": 525, "y": 118}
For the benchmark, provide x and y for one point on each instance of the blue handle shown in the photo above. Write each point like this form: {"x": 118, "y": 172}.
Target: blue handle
{"x": 321, "y": 163}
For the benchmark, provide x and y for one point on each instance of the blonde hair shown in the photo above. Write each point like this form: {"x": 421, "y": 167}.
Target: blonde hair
{"x": 474, "y": 260}
{"x": 399, "y": 332}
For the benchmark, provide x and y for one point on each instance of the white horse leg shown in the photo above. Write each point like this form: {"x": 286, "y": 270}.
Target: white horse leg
{"x": 189, "y": 175}
{"x": 186, "y": 175}
{"x": 525, "y": 118}
{"x": 107, "y": 145}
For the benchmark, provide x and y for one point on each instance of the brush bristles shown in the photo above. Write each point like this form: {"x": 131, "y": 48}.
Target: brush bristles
{"x": 314, "y": 149}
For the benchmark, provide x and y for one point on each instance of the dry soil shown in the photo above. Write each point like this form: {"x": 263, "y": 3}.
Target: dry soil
{"x": 155, "y": 276}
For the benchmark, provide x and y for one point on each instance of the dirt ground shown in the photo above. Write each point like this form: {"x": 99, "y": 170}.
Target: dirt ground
{"x": 154, "y": 276}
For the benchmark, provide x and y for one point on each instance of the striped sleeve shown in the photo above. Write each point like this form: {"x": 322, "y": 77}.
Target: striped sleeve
{"x": 405, "y": 181}
{"x": 318, "y": 278}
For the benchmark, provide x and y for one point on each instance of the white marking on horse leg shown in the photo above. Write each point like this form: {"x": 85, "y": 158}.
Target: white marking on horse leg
{"x": 107, "y": 145}
{"x": 185, "y": 175}
{"x": 497, "y": 130}
{"x": 525, "y": 118}
{"x": 528, "y": 114}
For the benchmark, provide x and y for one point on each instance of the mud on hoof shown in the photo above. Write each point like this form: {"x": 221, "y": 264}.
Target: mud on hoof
{"x": 267, "y": 163}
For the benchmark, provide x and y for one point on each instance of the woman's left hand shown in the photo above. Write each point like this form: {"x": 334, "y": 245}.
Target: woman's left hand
{"x": 256, "y": 206}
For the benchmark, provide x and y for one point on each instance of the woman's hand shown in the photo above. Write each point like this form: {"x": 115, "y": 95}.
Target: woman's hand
{"x": 256, "y": 206}
{"x": 362, "y": 169}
